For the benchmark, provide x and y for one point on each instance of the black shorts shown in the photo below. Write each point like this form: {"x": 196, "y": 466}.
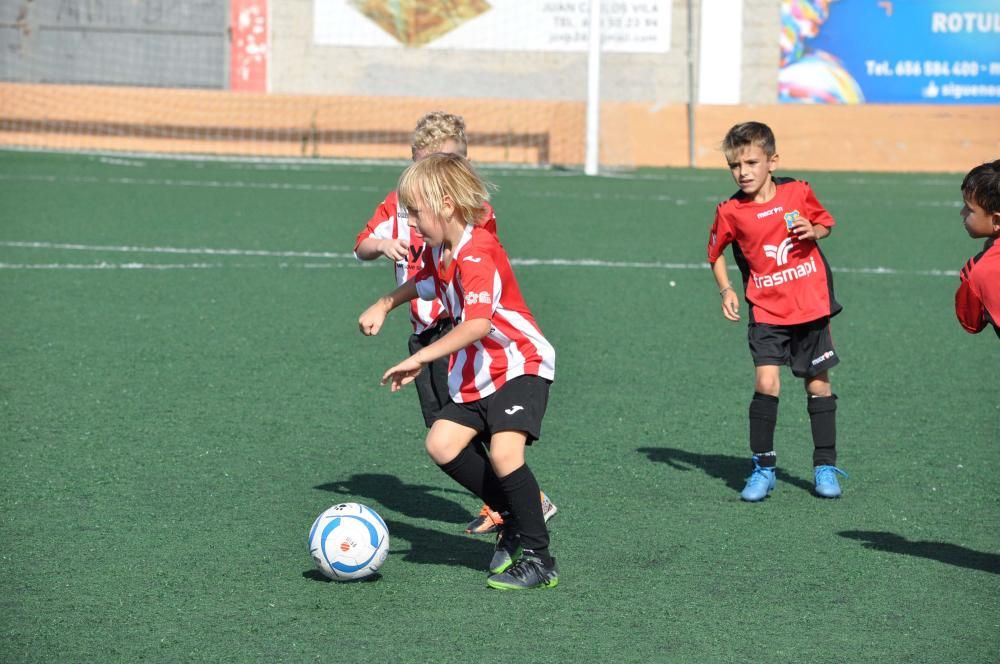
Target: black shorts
{"x": 807, "y": 348}
{"x": 432, "y": 382}
{"x": 517, "y": 406}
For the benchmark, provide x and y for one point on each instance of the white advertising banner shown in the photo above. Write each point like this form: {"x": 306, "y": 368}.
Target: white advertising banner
{"x": 627, "y": 26}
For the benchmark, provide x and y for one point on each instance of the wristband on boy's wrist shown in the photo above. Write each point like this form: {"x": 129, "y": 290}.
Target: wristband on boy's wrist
{"x": 723, "y": 291}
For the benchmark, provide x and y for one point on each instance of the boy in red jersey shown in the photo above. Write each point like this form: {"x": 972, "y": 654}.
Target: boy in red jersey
{"x": 500, "y": 368}
{"x": 774, "y": 225}
{"x": 977, "y": 300}
{"x": 387, "y": 234}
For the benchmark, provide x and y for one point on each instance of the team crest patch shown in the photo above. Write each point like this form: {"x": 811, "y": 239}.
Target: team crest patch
{"x": 790, "y": 218}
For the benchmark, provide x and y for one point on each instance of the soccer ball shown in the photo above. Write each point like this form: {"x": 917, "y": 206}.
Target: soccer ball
{"x": 348, "y": 541}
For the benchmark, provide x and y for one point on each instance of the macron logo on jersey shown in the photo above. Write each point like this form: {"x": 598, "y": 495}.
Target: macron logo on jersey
{"x": 779, "y": 253}
{"x": 768, "y": 213}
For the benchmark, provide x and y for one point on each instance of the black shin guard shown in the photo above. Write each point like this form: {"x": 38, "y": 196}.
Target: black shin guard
{"x": 474, "y": 472}
{"x": 823, "y": 418}
{"x": 763, "y": 417}
{"x": 522, "y": 492}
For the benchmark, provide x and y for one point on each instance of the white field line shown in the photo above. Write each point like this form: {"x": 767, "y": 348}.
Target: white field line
{"x": 711, "y": 201}
{"x": 108, "y": 266}
{"x": 310, "y": 187}
{"x": 198, "y": 251}
{"x": 103, "y": 265}
{"x": 236, "y": 162}
{"x": 202, "y": 184}
{"x": 207, "y": 251}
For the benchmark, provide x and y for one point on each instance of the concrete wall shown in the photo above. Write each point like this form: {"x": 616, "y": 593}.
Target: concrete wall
{"x": 521, "y": 107}
{"x": 299, "y": 66}
{"x": 169, "y": 43}
{"x": 759, "y": 68}
{"x": 183, "y": 43}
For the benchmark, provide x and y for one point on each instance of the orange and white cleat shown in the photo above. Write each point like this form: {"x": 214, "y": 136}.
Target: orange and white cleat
{"x": 489, "y": 521}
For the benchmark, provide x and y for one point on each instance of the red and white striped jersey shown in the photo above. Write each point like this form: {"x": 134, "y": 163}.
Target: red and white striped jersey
{"x": 389, "y": 222}
{"x": 787, "y": 281}
{"x": 479, "y": 283}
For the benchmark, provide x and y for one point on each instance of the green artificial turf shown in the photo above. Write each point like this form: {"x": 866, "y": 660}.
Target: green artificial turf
{"x": 183, "y": 389}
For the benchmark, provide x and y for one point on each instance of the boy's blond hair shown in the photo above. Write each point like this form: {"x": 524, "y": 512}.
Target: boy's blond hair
{"x": 437, "y": 127}
{"x": 746, "y": 134}
{"x": 445, "y": 174}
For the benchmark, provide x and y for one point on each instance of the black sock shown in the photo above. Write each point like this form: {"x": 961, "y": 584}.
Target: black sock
{"x": 763, "y": 417}
{"x": 823, "y": 418}
{"x": 522, "y": 494}
{"x": 474, "y": 472}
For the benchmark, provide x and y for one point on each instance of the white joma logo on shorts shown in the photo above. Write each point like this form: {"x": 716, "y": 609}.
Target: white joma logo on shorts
{"x": 513, "y": 409}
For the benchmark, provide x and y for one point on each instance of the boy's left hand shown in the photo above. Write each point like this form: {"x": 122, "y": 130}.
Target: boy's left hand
{"x": 803, "y": 229}
{"x": 371, "y": 319}
{"x": 402, "y": 374}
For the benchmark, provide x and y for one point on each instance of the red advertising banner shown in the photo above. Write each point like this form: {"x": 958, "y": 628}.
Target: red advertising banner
{"x": 249, "y": 45}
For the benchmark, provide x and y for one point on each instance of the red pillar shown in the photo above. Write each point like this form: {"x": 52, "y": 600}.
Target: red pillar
{"x": 249, "y": 46}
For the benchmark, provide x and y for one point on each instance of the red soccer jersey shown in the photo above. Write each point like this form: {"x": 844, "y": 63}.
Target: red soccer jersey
{"x": 389, "y": 222}
{"x": 479, "y": 283}
{"x": 977, "y": 300}
{"x": 787, "y": 281}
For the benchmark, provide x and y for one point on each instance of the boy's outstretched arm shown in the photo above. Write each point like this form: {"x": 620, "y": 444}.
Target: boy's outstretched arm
{"x": 370, "y": 321}
{"x": 461, "y": 336}
{"x": 392, "y": 248}
{"x": 730, "y": 300}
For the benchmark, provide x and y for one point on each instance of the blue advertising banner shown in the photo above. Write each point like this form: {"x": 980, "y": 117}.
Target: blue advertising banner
{"x": 890, "y": 51}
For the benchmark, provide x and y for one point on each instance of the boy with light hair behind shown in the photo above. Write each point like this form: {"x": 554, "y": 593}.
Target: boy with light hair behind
{"x": 500, "y": 368}
{"x": 388, "y": 234}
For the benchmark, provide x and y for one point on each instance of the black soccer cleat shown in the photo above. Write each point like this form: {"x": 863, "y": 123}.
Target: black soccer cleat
{"x": 507, "y": 551}
{"x": 526, "y": 573}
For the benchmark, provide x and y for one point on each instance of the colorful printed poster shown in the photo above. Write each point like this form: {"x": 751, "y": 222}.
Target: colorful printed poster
{"x": 627, "y": 26}
{"x": 890, "y": 51}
